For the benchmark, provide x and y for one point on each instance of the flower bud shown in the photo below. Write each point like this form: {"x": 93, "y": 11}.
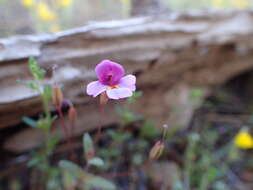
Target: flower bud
{"x": 72, "y": 115}
{"x": 156, "y": 150}
{"x": 103, "y": 98}
{"x": 57, "y": 96}
{"x": 90, "y": 154}
{"x": 165, "y": 126}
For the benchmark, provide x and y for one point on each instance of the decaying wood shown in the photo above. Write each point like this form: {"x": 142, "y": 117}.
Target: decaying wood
{"x": 170, "y": 56}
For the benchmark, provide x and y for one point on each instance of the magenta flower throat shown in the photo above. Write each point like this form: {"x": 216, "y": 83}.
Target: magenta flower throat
{"x": 112, "y": 81}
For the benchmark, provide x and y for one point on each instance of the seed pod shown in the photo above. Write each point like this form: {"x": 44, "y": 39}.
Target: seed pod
{"x": 103, "y": 98}
{"x": 57, "y": 96}
{"x": 156, "y": 150}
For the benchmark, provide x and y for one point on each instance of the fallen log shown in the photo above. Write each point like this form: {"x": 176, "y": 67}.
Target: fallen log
{"x": 169, "y": 55}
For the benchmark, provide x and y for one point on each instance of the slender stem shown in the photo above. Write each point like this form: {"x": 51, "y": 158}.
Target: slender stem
{"x": 71, "y": 133}
{"x": 62, "y": 120}
{"x": 46, "y": 130}
{"x": 189, "y": 156}
{"x": 45, "y": 101}
{"x": 123, "y": 173}
{"x": 204, "y": 182}
{"x": 165, "y": 134}
{"x": 101, "y": 112}
{"x": 66, "y": 131}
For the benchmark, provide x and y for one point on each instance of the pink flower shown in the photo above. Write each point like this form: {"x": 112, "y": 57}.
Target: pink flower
{"x": 111, "y": 80}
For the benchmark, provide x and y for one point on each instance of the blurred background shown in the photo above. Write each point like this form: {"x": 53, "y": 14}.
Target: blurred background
{"x": 195, "y": 70}
{"x": 34, "y": 16}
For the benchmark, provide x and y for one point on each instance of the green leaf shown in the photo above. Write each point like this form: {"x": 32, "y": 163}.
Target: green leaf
{"x": 148, "y": 129}
{"x": 87, "y": 144}
{"x": 44, "y": 123}
{"x": 47, "y": 91}
{"x": 54, "y": 118}
{"x": 32, "y": 85}
{"x": 33, "y": 65}
{"x": 53, "y": 182}
{"x": 71, "y": 168}
{"x": 111, "y": 152}
{"x": 69, "y": 180}
{"x": 220, "y": 185}
{"x": 96, "y": 161}
{"x": 137, "y": 159}
{"x": 197, "y": 93}
{"x": 37, "y": 72}
{"x": 34, "y": 161}
{"x": 212, "y": 174}
{"x": 54, "y": 140}
{"x": 98, "y": 182}
{"x": 120, "y": 111}
{"x": 134, "y": 97}
{"x": 71, "y": 173}
{"x": 129, "y": 117}
{"x": 29, "y": 84}
{"x": 30, "y": 122}
{"x": 37, "y": 161}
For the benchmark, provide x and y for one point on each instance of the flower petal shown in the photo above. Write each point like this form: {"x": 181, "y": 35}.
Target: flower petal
{"x": 128, "y": 82}
{"x": 95, "y": 88}
{"x": 109, "y": 73}
{"x": 118, "y": 93}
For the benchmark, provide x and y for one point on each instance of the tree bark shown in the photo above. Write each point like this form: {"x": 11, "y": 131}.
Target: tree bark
{"x": 170, "y": 57}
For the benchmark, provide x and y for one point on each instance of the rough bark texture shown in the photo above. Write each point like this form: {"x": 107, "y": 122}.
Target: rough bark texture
{"x": 170, "y": 56}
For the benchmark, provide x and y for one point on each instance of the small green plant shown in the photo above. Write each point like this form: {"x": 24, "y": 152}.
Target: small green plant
{"x": 72, "y": 175}
{"x": 205, "y": 166}
{"x": 40, "y": 158}
{"x": 68, "y": 174}
{"x": 75, "y": 177}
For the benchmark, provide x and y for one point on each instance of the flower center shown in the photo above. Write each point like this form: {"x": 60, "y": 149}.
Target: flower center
{"x": 109, "y": 78}
{"x": 113, "y": 86}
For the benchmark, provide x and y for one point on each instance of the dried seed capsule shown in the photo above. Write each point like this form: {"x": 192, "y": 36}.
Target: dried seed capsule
{"x": 156, "y": 150}
{"x": 57, "y": 96}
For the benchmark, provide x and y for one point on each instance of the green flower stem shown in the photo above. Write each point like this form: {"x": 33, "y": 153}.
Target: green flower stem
{"x": 189, "y": 157}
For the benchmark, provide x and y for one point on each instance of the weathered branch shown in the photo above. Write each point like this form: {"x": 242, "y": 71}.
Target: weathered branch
{"x": 169, "y": 57}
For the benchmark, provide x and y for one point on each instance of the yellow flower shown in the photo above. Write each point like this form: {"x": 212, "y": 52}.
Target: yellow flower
{"x": 218, "y": 3}
{"x": 65, "y": 3}
{"x": 27, "y": 3}
{"x": 240, "y": 4}
{"x": 125, "y": 1}
{"x": 45, "y": 13}
{"x": 243, "y": 140}
{"x": 55, "y": 28}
